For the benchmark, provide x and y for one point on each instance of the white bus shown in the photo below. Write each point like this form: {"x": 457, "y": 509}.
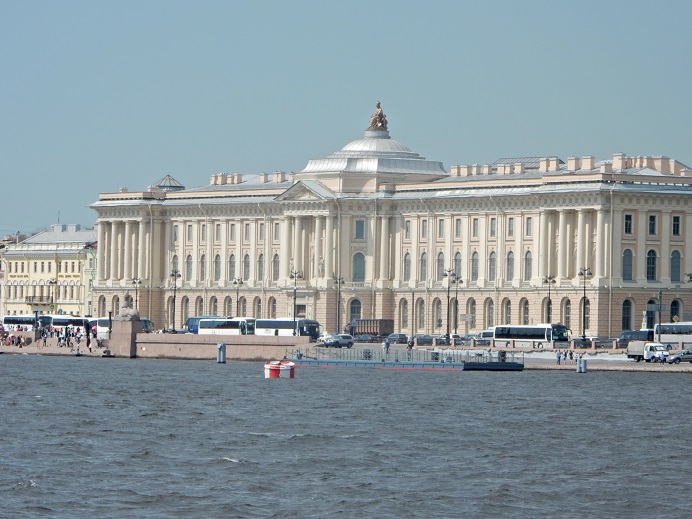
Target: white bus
{"x": 103, "y": 326}
{"x": 59, "y": 322}
{"x": 287, "y": 326}
{"x": 227, "y": 326}
{"x": 539, "y": 333}
{"x": 19, "y": 323}
{"x": 674, "y": 333}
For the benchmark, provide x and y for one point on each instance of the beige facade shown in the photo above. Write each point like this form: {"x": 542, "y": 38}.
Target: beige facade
{"x": 376, "y": 231}
{"x": 50, "y": 272}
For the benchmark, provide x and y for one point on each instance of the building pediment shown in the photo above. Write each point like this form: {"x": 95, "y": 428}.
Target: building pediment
{"x": 306, "y": 191}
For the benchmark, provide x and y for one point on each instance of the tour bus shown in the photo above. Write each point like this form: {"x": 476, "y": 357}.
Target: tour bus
{"x": 287, "y": 326}
{"x": 14, "y": 323}
{"x": 226, "y": 326}
{"x": 540, "y": 333}
{"x": 673, "y": 333}
{"x": 59, "y": 322}
{"x": 192, "y": 323}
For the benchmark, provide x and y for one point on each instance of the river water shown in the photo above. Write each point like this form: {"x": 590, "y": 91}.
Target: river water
{"x": 92, "y": 437}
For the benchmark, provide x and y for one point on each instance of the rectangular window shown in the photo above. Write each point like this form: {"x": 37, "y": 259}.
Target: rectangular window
{"x": 676, "y": 226}
{"x": 232, "y": 232}
{"x": 175, "y": 234}
{"x": 43, "y": 267}
{"x": 652, "y": 224}
{"x": 529, "y": 228}
{"x": 407, "y": 230}
{"x": 474, "y": 228}
{"x": 276, "y": 231}
{"x": 360, "y": 230}
{"x": 247, "y": 232}
{"x": 493, "y": 227}
{"x": 457, "y": 228}
{"x": 510, "y": 227}
{"x": 217, "y": 232}
{"x": 204, "y": 232}
{"x": 628, "y": 224}
{"x": 261, "y": 231}
{"x": 441, "y": 229}
{"x": 189, "y": 233}
{"x": 49, "y": 267}
{"x": 424, "y": 229}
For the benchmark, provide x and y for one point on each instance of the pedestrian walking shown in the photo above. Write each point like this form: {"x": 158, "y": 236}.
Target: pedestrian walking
{"x": 559, "y": 356}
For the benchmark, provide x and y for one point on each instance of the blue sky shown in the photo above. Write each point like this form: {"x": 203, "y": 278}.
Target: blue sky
{"x": 101, "y": 95}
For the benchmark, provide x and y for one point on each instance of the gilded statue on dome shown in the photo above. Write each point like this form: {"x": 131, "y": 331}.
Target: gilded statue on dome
{"x": 378, "y": 121}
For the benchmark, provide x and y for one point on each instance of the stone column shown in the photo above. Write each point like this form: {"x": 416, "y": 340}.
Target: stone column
{"x": 285, "y": 259}
{"x": 113, "y": 244}
{"x": 664, "y": 233}
{"x": 640, "y": 255}
{"x": 298, "y": 245}
{"x": 384, "y": 249}
{"x": 601, "y": 234}
{"x": 544, "y": 251}
{"x": 581, "y": 240}
{"x": 141, "y": 270}
{"x": 319, "y": 221}
{"x": 101, "y": 258}
{"x": 127, "y": 252}
{"x": 329, "y": 269}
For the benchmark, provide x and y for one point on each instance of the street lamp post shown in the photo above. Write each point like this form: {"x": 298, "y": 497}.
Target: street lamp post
{"x": 175, "y": 274}
{"x": 549, "y": 280}
{"x": 236, "y": 283}
{"x": 451, "y": 275}
{"x": 52, "y": 282}
{"x": 295, "y": 275}
{"x": 584, "y": 272}
{"x": 136, "y": 282}
{"x": 339, "y": 281}
{"x": 457, "y": 281}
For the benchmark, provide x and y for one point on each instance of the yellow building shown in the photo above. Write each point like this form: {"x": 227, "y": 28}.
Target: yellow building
{"x": 50, "y": 272}
{"x": 374, "y": 230}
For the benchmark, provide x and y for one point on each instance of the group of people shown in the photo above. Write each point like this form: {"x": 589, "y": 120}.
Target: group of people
{"x": 565, "y": 355}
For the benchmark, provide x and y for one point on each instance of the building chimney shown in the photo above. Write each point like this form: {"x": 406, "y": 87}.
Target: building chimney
{"x": 587, "y": 163}
{"x": 543, "y": 165}
{"x": 572, "y": 163}
{"x": 619, "y": 161}
{"x": 606, "y": 167}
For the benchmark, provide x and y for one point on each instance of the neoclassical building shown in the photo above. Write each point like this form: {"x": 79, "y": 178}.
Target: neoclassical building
{"x": 375, "y": 230}
{"x": 50, "y": 272}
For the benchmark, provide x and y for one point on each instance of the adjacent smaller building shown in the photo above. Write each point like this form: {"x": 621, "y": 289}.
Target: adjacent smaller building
{"x": 50, "y": 272}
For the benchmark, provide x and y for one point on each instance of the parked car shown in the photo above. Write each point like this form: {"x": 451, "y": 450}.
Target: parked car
{"x": 441, "y": 340}
{"x": 339, "y": 340}
{"x": 366, "y": 338}
{"x": 681, "y": 356}
{"x": 397, "y": 338}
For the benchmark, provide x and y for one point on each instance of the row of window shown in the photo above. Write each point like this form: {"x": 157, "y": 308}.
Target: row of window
{"x": 651, "y": 265}
{"x": 45, "y": 267}
{"x": 59, "y": 291}
{"x": 676, "y": 225}
{"x": 232, "y": 233}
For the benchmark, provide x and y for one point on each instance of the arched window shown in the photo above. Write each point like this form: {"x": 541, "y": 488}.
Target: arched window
{"x": 474, "y": 266}
{"x": 354, "y": 310}
{"x": 650, "y": 314}
{"x": 491, "y": 267}
{"x": 423, "y": 274}
{"x": 675, "y": 266}
{"x": 407, "y": 267}
{"x": 507, "y": 312}
{"x": 246, "y": 267}
{"x": 528, "y": 263}
{"x": 116, "y": 305}
{"x": 174, "y": 263}
{"x": 203, "y": 268}
{"x": 213, "y": 306}
{"x": 272, "y": 308}
{"x": 358, "y": 268}
{"x": 674, "y": 310}
{"x": 568, "y": 314}
{"x": 437, "y": 314}
{"x": 228, "y": 305}
{"x": 231, "y": 268}
{"x": 260, "y": 268}
{"x": 510, "y": 267}
{"x": 651, "y": 265}
{"x": 420, "y": 313}
{"x": 403, "y": 314}
{"x": 587, "y": 316}
{"x": 440, "y": 266}
{"x": 472, "y": 313}
{"x": 627, "y": 265}
{"x": 257, "y": 308}
{"x": 242, "y": 310}
{"x": 185, "y": 309}
{"x": 188, "y": 268}
{"x": 627, "y": 314}
{"x": 524, "y": 312}
{"x": 275, "y": 268}
{"x": 457, "y": 264}
{"x": 199, "y": 306}
{"x": 171, "y": 313}
{"x": 217, "y": 268}
{"x": 489, "y": 314}
{"x": 101, "y": 305}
